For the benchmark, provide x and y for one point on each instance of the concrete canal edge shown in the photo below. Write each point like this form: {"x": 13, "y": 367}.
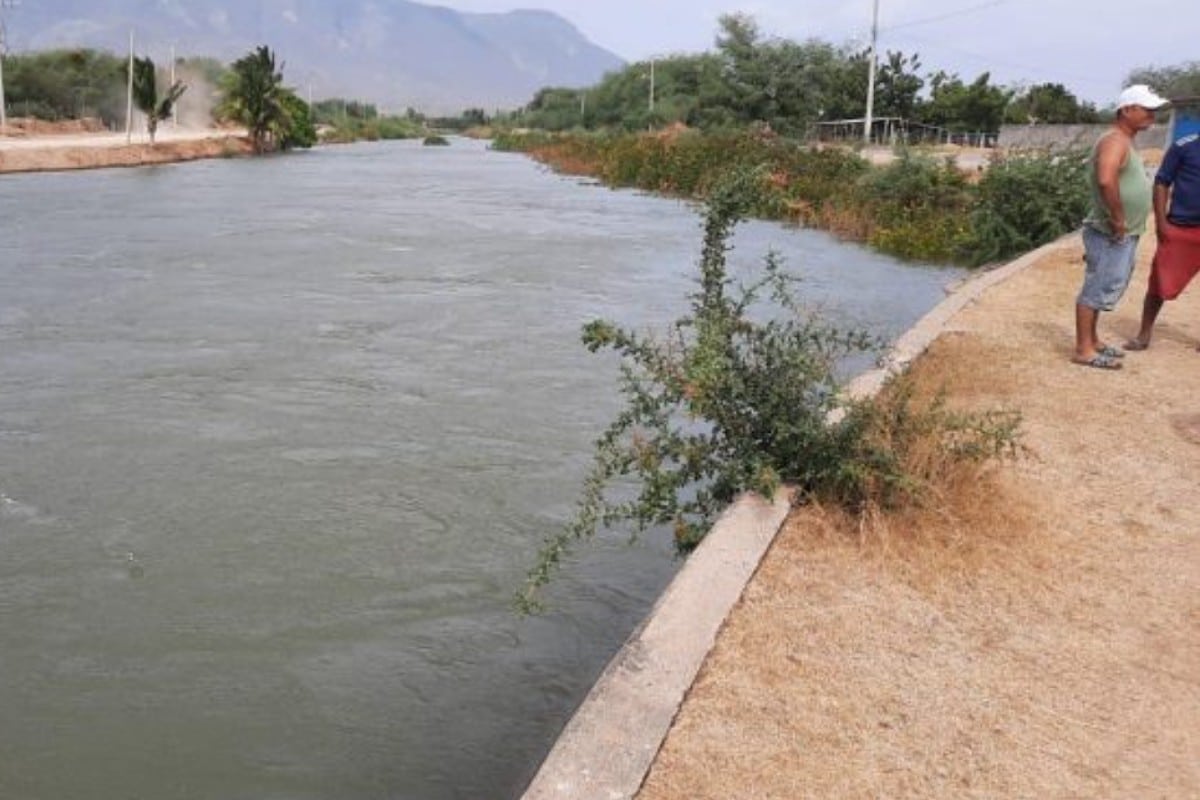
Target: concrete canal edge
{"x": 917, "y": 339}
{"x": 609, "y": 745}
{"x": 607, "y": 748}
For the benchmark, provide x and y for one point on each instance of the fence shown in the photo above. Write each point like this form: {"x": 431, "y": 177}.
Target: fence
{"x": 897, "y": 130}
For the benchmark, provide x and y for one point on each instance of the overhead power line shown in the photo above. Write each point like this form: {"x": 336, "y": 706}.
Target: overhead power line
{"x": 989, "y": 60}
{"x": 948, "y": 15}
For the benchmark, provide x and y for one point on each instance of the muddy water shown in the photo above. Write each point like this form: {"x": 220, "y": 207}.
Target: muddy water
{"x": 278, "y": 439}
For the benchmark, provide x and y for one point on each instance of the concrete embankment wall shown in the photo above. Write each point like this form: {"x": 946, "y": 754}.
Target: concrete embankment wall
{"x": 1043, "y": 136}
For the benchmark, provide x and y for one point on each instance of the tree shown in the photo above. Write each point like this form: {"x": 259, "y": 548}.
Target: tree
{"x": 556, "y": 108}
{"x": 846, "y": 88}
{"x": 977, "y": 106}
{"x": 1181, "y": 80}
{"x": 145, "y": 94}
{"x": 274, "y": 115}
{"x": 474, "y": 117}
{"x": 897, "y": 85}
{"x": 749, "y": 78}
{"x": 255, "y": 97}
{"x": 300, "y": 130}
{"x": 1049, "y": 104}
{"x": 67, "y": 84}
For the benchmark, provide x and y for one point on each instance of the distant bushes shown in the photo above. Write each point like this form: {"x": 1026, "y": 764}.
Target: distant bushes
{"x": 917, "y": 207}
{"x": 392, "y": 128}
{"x": 371, "y": 130}
{"x": 66, "y": 84}
{"x": 1026, "y": 200}
{"x": 342, "y": 120}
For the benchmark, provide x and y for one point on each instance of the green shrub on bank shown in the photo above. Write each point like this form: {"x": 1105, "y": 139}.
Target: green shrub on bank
{"x": 819, "y": 176}
{"x": 911, "y": 186}
{"x": 931, "y": 236}
{"x": 687, "y": 163}
{"x": 915, "y": 208}
{"x": 300, "y": 131}
{"x": 919, "y": 208}
{"x": 515, "y": 141}
{"x": 394, "y": 128}
{"x": 373, "y": 129}
{"x": 1024, "y": 201}
{"x": 724, "y": 403}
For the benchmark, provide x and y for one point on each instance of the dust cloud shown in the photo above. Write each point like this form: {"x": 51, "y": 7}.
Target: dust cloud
{"x": 195, "y": 108}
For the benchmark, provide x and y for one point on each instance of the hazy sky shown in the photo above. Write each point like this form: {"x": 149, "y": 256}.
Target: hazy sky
{"x": 1087, "y": 45}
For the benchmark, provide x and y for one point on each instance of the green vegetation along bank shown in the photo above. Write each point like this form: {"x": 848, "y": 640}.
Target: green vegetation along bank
{"x": 918, "y": 207}
{"x": 85, "y": 84}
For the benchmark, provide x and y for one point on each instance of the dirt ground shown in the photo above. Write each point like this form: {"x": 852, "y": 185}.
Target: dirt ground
{"x": 968, "y": 159}
{"x": 29, "y": 146}
{"x": 1042, "y": 642}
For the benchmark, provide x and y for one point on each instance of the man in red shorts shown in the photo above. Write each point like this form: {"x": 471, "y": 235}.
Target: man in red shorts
{"x": 1177, "y": 221}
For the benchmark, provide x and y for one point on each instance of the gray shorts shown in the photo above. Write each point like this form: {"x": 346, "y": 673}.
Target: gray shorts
{"x": 1109, "y": 268}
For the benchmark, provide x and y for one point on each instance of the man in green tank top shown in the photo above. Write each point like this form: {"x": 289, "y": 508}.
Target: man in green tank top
{"x": 1121, "y": 202}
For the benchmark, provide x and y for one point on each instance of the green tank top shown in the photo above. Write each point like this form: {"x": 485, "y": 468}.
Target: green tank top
{"x": 1136, "y": 194}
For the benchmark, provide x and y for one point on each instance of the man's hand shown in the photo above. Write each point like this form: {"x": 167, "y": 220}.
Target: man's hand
{"x": 1163, "y": 230}
{"x": 1120, "y": 231}
{"x": 1162, "y": 199}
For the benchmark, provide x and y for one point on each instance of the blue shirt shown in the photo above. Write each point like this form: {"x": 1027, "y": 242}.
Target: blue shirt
{"x": 1181, "y": 171}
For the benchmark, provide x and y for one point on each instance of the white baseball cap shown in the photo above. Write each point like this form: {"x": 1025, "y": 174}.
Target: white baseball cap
{"x": 1141, "y": 95}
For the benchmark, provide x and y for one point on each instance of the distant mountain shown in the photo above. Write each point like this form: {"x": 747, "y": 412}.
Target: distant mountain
{"x": 391, "y": 52}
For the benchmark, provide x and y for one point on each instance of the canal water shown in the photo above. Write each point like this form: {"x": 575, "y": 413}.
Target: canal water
{"x": 279, "y": 439}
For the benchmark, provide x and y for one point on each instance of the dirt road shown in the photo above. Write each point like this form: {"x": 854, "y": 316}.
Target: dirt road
{"x": 1044, "y": 644}
{"x": 43, "y": 152}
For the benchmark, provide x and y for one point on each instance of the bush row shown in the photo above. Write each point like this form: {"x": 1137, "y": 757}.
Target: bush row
{"x": 917, "y": 207}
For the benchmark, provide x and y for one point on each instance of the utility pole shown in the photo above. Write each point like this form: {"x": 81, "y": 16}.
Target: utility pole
{"x": 870, "y": 118}
{"x": 3, "y": 46}
{"x": 174, "y": 106}
{"x": 651, "y": 85}
{"x": 4, "y": 4}
{"x": 129, "y": 95}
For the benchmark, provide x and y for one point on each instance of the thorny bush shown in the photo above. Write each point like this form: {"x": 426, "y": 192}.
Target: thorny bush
{"x": 723, "y": 404}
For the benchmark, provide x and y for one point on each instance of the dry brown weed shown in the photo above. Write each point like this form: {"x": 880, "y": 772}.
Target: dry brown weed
{"x": 1035, "y": 632}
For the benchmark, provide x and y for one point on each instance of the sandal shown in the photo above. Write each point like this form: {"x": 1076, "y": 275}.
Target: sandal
{"x": 1108, "y": 351}
{"x": 1099, "y": 361}
{"x": 1137, "y": 345}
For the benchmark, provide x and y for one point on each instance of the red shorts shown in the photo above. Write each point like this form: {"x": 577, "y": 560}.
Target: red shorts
{"x": 1176, "y": 262}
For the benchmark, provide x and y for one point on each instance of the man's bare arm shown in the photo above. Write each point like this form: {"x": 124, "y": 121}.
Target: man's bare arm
{"x": 1162, "y": 198}
{"x": 1110, "y": 158}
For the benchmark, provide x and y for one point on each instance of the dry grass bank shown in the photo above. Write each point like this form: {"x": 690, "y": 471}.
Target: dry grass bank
{"x": 1035, "y": 634}
{"x": 51, "y": 153}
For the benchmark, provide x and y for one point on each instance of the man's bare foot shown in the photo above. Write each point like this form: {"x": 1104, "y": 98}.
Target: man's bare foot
{"x": 1137, "y": 344}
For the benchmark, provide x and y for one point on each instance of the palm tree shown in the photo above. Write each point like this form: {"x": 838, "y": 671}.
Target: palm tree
{"x": 255, "y": 97}
{"x": 145, "y": 94}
